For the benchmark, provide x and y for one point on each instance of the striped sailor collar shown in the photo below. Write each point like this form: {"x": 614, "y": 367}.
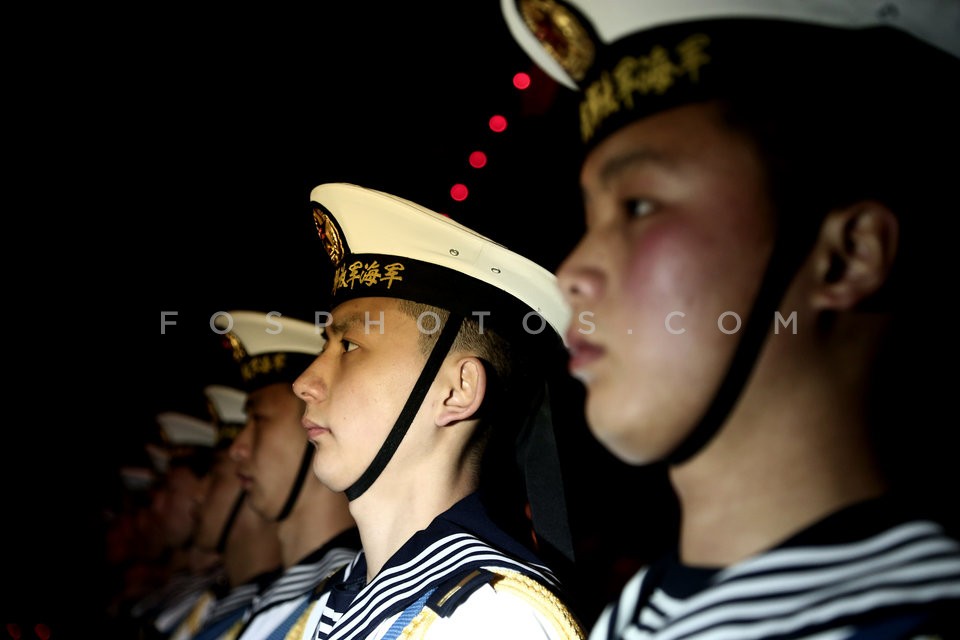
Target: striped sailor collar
{"x": 232, "y": 605}
{"x": 850, "y": 525}
{"x": 457, "y": 542}
{"x": 301, "y": 578}
{"x": 876, "y": 558}
{"x": 230, "y": 598}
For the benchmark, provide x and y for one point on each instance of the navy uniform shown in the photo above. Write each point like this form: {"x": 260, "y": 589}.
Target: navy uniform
{"x": 278, "y": 610}
{"x": 463, "y": 576}
{"x": 448, "y": 581}
{"x": 187, "y": 441}
{"x": 271, "y": 349}
{"x": 869, "y": 569}
{"x": 219, "y": 612}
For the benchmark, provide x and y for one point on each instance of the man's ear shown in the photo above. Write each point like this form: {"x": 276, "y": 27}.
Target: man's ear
{"x": 854, "y": 255}
{"x": 467, "y": 387}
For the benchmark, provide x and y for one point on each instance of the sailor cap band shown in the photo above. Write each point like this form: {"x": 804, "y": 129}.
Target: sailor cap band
{"x": 227, "y": 406}
{"x": 632, "y": 59}
{"x": 381, "y": 245}
{"x": 268, "y": 347}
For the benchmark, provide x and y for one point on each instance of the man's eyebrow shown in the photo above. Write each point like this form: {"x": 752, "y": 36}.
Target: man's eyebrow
{"x": 644, "y": 155}
{"x": 341, "y": 325}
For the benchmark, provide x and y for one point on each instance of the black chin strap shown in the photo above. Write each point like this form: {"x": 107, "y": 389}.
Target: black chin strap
{"x": 784, "y": 263}
{"x": 225, "y": 532}
{"x": 400, "y": 427}
{"x": 298, "y": 482}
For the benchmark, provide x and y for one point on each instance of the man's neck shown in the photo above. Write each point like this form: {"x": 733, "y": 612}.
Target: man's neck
{"x": 388, "y": 515}
{"x": 793, "y": 451}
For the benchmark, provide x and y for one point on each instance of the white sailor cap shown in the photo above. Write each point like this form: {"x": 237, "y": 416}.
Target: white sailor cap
{"x": 268, "y": 346}
{"x": 381, "y": 245}
{"x": 182, "y": 430}
{"x": 228, "y": 403}
{"x": 186, "y": 441}
{"x": 630, "y": 57}
{"x": 227, "y": 406}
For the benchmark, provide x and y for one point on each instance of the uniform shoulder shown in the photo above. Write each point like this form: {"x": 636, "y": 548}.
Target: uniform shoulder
{"x": 516, "y": 603}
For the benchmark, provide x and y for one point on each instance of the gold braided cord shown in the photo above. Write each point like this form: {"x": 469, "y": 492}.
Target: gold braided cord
{"x": 527, "y": 589}
{"x": 542, "y": 599}
{"x": 417, "y": 629}
{"x": 192, "y": 622}
{"x": 233, "y": 632}
{"x": 296, "y": 631}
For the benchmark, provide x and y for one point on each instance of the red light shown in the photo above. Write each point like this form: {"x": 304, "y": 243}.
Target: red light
{"x": 521, "y": 81}
{"x": 498, "y": 124}
{"x": 459, "y": 192}
{"x": 478, "y": 159}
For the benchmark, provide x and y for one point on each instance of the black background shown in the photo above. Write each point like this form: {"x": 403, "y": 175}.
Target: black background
{"x": 174, "y": 153}
{"x": 219, "y": 127}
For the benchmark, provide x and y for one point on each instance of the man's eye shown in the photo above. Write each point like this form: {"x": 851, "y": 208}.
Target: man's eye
{"x": 348, "y": 346}
{"x": 640, "y": 208}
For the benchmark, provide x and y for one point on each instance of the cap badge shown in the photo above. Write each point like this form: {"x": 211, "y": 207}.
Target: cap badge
{"x": 329, "y": 236}
{"x": 561, "y": 33}
{"x": 236, "y": 346}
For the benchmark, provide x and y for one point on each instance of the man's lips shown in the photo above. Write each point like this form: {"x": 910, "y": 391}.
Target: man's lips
{"x": 314, "y": 430}
{"x": 245, "y": 481}
{"x": 582, "y": 353}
